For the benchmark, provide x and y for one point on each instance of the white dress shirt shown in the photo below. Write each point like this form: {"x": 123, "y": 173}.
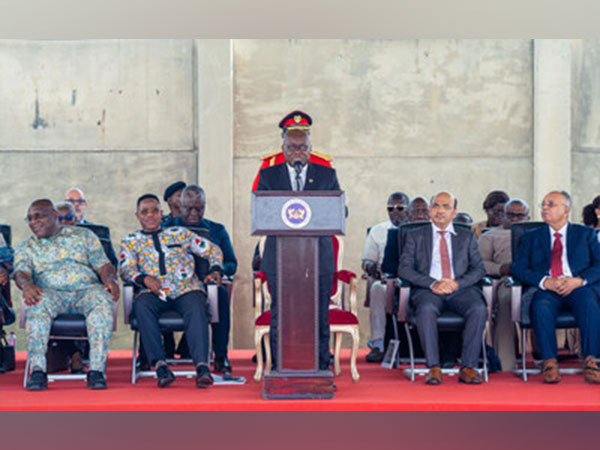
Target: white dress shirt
{"x": 565, "y": 261}
{"x": 376, "y": 241}
{"x": 292, "y": 173}
{"x": 436, "y": 258}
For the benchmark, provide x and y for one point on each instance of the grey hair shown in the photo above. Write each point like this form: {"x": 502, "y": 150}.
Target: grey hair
{"x": 566, "y": 195}
{"x": 518, "y": 201}
{"x": 195, "y": 189}
{"x": 66, "y": 205}
{"x": 446, "y": 192}
{"x": 74, "y": 189}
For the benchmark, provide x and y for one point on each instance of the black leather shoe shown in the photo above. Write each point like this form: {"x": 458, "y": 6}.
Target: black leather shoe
{"x": 96, "y": 380}
{"x": 38, "y": 381}
{"x": 222, "y": 365}
{"x": 203, "y": 377}
{"x": 164, "y": 376}
{"x": 374, "y": 356}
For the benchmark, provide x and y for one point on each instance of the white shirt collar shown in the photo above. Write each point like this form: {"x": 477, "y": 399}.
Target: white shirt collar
{"x": 449, "y": 228}
{"x": 562, "y": 231}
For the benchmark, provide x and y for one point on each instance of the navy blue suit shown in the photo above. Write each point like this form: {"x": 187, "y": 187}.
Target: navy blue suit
{"x": 391, "y": 254}
{"x": 318, "y": 178}
{"x": 532, "y": 263}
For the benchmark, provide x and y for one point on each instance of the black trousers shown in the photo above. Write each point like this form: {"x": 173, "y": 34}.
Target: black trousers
{"x": 220, "y": 330}
{"x": 325, "y": 284}
{"x": 469, "y": 303}
{"x": 193, "y": 308}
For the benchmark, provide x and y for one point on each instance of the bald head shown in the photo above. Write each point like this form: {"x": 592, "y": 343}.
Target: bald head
{"x": 42, "y": 217}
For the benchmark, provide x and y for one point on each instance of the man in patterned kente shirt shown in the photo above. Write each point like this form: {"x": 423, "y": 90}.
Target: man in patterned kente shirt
{"x": 64, "y": 269}
{"x": 160, "y": 263}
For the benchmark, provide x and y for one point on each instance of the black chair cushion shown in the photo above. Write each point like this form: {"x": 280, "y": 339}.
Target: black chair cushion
{"x": 69, "y": 325}
{"x": 168, "y": 321}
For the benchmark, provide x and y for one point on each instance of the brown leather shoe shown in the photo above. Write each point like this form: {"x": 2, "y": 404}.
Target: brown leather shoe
{"x": 550, "y": 371}
{"x": 591, "y": 372}
{"x": 469, "y": 375}
{"x": 434, "y": 376}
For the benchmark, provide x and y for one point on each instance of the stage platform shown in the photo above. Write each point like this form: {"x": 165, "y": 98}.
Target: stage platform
{"x": 378, "y": 389}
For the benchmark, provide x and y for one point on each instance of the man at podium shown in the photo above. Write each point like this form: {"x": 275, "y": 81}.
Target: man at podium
{"x": 298, "y": 174}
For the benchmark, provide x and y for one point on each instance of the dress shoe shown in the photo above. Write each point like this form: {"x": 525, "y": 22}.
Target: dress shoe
{"x": 203, "y": 377}
{"x": 434, "y": 376}
{"x": 96, "y": 380}
{"x": 222, "y": 365}
{"x": 550, "y": 371}
{"x": 374, "y": 356}
{"x": 469, "y": 375}
{"x": 591, "y": 372}
{"x": 38, "y": 381}
{"x": 164, "y": 376}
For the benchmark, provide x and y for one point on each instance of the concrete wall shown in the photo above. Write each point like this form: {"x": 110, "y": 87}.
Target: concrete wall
{"x": 416, "y": 116}
{"x": 113, "y": 117}
{"x": 120, "y": 118}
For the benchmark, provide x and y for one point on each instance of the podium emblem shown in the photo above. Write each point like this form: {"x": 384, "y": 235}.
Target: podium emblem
{"x": 296, "y": 213}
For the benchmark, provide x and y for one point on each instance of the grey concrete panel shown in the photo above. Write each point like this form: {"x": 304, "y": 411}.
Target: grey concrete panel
{"x": 104, "y": 95}
{"x": 585, "y": 85}
{"x": 585, "y": 182}
{"x": 387, "y": 98}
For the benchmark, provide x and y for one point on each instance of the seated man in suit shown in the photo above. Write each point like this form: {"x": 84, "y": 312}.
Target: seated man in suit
{"x": 64, "y": 269}
{"x": 495, "y": 249}
{"x": 443, "y": 266}
{"x": 159, "y": 261}
{"x": 397, "y": 208}
{"x": 193, "y": 204}
{"x": 298, "y": 174}
{"x": 559, "y": 264}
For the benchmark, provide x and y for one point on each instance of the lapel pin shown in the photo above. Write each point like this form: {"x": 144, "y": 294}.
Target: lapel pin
{"x": 310, "y": 180}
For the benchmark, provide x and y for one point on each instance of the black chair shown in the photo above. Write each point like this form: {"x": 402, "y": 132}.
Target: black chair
{"x": 447, "y": 321}
{"x": 7, "y": 235}
{"x": 72, "y": 326}
{"x": 172, "y": 321}
{"x": 521, "y": 305}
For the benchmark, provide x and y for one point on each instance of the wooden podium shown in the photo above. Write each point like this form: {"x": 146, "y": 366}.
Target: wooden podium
{"x": 296, "y": 220}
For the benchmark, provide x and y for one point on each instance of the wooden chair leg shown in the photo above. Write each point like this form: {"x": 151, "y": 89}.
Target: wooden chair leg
{"x": 336, "y": 356}
{"x": 259, "y": 356}
{"x": 269, "y": 361}
{"x": 355, "y": 340}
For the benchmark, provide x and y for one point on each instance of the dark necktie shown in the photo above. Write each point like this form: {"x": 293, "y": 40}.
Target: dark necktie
{"x": 298, "y": 182}
{"x": 556, "y": 269}
{"x": 445, "y": 256}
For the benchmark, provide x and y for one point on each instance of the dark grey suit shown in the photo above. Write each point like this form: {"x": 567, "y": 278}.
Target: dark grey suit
{"x": 467, "y": 301}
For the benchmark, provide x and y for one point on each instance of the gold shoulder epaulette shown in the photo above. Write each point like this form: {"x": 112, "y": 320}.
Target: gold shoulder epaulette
{"x": 269, "y": 155}
{"x": 322, "y": 155}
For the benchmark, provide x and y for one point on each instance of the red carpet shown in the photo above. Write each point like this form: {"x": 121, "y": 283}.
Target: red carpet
{"x": 378, "y": 389}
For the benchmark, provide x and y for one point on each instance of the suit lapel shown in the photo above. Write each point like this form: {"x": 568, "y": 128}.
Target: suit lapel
{"x": 284, "y": 178}
{"x": 428, "y": 239}
{"x": 571, "y": 244}
{"x": 547, "y": 245}
{"x": 309, "y": 184}
{"x": 454, "y": 245}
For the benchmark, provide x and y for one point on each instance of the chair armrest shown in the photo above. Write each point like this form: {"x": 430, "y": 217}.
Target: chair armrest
{"x": 115, "y": 314}
{"x": 22, "y": 313}
{"x": 212, "y": 298}
{"x": 403, "y": 304}
{"x": 485, "y": 281}
{"x": 258, "y": 297}
{"x": 127, "y": 302}
{"x": 515, "y": 298}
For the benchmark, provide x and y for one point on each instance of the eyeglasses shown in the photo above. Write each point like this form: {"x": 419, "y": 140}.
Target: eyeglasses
{"x": 77, "y": 200}
{"x": 36, "y": 216}
{"x": 292, "y": 147}
{"x": 551, "y": 204}
{"x": 513, "y": 215}
{"x": 398, "y": 208}
{"x": 445, "y": 206}
{"x": 67, "y": 217}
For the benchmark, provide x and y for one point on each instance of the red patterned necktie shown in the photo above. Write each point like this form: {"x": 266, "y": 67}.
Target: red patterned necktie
{"x": 445, "y": 257}
{"x": 556, "y": 269}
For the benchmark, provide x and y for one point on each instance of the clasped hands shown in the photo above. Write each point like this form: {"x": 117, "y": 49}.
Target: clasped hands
{"x": 445, "y": 286}
{"x": 563, "y": 286}
{"x": 155, "y": 287}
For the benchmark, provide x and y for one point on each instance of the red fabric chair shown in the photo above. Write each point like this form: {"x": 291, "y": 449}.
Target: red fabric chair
{"x": 343, "y": 316}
